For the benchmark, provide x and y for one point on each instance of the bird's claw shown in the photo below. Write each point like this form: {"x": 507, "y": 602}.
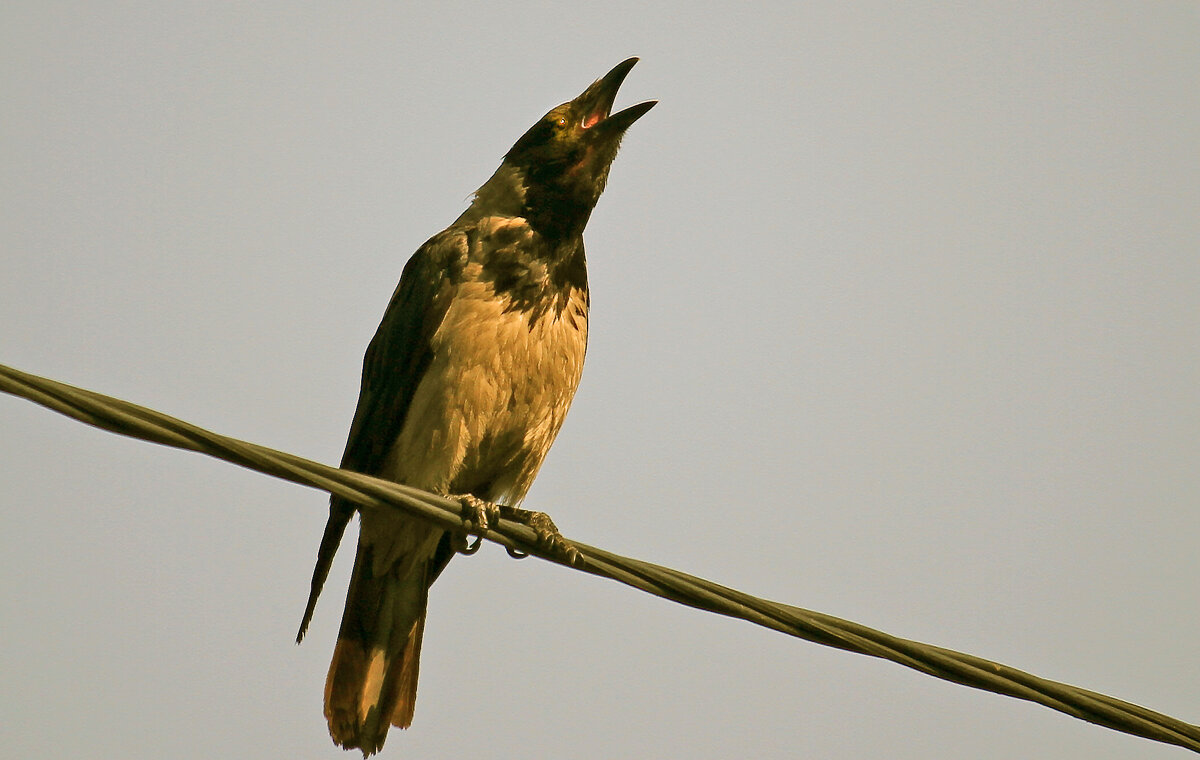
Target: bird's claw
{"x": 478, "y": 517}
{"x": 468, "y": 548}
{"x": 549, "y": 540}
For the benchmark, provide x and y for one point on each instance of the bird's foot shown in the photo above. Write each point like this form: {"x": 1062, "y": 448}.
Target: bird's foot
{"x": 478, "y": 515}
{"x": 549, "y": 539}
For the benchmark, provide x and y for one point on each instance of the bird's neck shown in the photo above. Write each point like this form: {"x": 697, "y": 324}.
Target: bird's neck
{"x": 555, "y": 211}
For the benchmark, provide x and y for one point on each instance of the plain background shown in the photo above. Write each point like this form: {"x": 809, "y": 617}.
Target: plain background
{"x": 894, "y": 317}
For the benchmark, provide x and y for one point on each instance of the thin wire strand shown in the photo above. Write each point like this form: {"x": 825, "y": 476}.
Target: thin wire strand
{"x": 139, "y": 422}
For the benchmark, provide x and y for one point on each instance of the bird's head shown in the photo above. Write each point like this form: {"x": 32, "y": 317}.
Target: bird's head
{"x": 563, "y": 159}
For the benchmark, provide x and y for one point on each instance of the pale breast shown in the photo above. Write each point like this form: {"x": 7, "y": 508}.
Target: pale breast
{"x": 494, "y": 396}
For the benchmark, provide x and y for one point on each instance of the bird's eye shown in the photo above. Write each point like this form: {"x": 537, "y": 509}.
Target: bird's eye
{"x": 562, "y": 121}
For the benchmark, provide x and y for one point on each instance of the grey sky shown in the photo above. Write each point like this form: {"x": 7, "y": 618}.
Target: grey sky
{"x": 894, "y": 317}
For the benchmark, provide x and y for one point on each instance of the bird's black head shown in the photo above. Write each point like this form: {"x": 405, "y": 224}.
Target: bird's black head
{"x": 563, "y": 160}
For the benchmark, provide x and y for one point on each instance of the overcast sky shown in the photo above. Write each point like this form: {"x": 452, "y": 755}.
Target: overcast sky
{"x": 894, "y": 317}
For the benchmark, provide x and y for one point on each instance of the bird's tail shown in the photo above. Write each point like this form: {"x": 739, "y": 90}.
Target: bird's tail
{"x": 372, "y": 683}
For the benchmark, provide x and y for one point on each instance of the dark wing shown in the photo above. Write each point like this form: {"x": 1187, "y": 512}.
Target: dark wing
{"x": 395, "y": 361}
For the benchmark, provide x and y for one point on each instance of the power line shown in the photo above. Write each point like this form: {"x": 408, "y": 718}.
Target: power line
{"x": 139, "y": 422}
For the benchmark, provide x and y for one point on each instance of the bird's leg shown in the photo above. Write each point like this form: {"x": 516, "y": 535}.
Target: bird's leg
{"x": 479, "y": 516}
{"x": 548, "y": 537}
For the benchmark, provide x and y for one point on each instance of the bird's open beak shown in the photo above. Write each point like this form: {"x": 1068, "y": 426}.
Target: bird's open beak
{"x": 597, "y": 101}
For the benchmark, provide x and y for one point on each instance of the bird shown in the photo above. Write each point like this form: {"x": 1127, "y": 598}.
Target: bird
{"x": 464, "y": 388}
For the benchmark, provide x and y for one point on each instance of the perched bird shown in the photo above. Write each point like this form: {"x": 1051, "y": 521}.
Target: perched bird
{"x": 464, "y": 388}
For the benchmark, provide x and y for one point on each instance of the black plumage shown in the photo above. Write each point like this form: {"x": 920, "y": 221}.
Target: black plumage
{"x": 464, "y": 387}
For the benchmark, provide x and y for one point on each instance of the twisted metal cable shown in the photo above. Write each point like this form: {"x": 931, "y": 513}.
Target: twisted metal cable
{"x": 139, "y": 422}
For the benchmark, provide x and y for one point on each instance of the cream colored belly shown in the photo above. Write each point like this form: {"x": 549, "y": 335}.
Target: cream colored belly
{"x": 489, "y": 405}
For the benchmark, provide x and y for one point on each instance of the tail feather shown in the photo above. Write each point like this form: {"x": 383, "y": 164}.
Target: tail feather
{"x": 406, "y": 684}
{"x": 372, "y": 681}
